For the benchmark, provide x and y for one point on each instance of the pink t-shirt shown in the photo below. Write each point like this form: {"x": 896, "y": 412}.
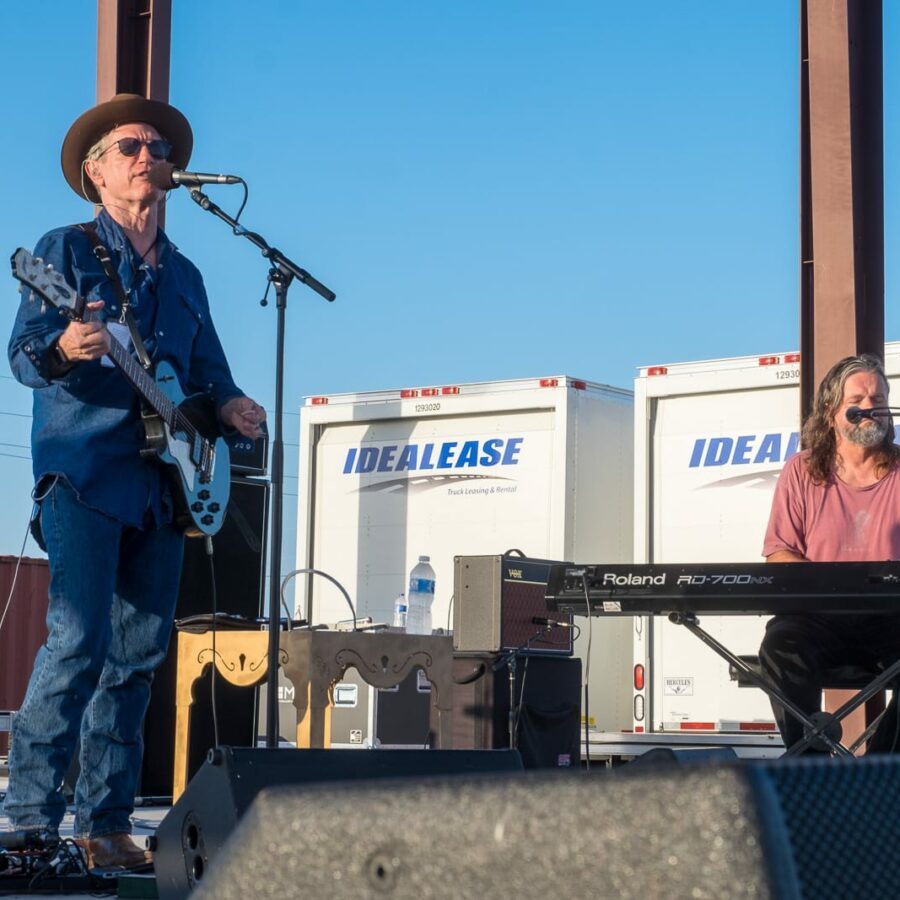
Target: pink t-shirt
{"x": 833, "y": 522}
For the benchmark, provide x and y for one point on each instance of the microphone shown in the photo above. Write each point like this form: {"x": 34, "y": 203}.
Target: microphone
{"x": 166, "y": 177}
{"x": 550, "y": 623}
{"x": 17, "y": 841}
{"x": 855, "y": 415}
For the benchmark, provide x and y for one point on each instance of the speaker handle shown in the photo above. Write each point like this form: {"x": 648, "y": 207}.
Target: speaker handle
{"x": 474, "y": 675}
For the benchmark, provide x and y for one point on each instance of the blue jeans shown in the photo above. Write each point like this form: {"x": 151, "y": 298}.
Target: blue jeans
{"x": 112, "y": 599}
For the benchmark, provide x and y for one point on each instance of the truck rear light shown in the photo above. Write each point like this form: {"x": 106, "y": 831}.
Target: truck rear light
{"x": 639, "y": 710}
{"x": 638, "y": 677}
{"x": 792, "y": 357}
{"x": 319, "y": 401}
{"x": 408, "y": 392}
{"x": 658, "y": 370}
{"x": 549, "y": 382}
{"x": 429, "y": 392}
{"x": 449, "y": 389}
{"x": 579, "y": 385}
{"x": 764, "y": 725}
{"x": 697, "y": 726}
{"x": 769, "y": 360}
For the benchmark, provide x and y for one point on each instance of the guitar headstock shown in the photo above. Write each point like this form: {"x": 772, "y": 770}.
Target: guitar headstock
{"x": 45, "y": 281}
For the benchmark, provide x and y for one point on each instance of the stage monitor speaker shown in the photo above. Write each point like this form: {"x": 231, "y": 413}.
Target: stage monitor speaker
{"x": 495, "y": 599}
{"x": 191, "y": 836}
{"x": 692, "y": 831}
{"x": 548, "y": 732}
{"x": 239, "y": 566}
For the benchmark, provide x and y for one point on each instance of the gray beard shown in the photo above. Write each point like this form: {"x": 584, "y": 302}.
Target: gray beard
{"x": 866, "y": 435}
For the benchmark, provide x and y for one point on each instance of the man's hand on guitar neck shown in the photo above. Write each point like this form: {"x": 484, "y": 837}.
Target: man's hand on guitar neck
{"x": 84, "y": 340}
{"x": 244, "y": 415}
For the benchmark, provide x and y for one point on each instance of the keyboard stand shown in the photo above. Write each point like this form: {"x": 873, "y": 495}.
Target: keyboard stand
{"x": 814, "y": 727}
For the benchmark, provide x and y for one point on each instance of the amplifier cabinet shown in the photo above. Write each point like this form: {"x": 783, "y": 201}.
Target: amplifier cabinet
{"x": 495, "y": 599}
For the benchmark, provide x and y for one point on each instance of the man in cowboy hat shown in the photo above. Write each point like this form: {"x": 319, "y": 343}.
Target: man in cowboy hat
{"x": 106, "y": 511}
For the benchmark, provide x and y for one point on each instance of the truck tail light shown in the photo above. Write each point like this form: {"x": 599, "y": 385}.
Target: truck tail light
{"x": 429, "y": 392}
{"x": 407, "y": 393}
{"x": 549, "y": 382}
{"x": 658, "y": 370}
{"x": 638, "y": 677}
{"x": 319, "y": 401}
{"x": 792, "y": 357}
{"x": 449, "y": 389}
{"x": 639, "y": 710}
{"x": 769, "y": 360}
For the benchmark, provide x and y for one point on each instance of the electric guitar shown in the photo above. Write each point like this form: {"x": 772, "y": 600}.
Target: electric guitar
{"x": 181, "y": 431}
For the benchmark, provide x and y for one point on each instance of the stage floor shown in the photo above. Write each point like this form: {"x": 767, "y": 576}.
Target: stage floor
{"x": 145, "y": 821}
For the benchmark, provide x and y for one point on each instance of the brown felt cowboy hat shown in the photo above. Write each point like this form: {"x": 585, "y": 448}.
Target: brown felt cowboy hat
{"x": 90, "y": 126}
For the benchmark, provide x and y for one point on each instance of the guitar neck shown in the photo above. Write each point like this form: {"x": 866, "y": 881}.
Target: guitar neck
{"x": 143, "y": 382}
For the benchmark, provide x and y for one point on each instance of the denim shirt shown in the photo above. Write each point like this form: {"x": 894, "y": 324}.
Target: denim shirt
{"x": 87, "y": 423}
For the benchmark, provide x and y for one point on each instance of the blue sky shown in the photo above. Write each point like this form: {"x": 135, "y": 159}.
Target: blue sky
{"x": 494, "y": 189}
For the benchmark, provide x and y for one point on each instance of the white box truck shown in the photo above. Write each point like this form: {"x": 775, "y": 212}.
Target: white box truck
{"x": 711, "y": 438}
{"x": 541, "y": 465}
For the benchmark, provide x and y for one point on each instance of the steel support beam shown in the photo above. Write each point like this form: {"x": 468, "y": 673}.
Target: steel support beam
{"x": 133, "y": 40}
{"x": 841, "y": 186}
{"x": 841, "y": 202}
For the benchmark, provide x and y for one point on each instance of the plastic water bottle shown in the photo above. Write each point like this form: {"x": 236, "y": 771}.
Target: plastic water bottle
{"x": 421, "y": 596}
{"x": 400, "y": 611}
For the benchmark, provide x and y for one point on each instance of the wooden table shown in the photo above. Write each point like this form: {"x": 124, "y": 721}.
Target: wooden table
{"x": 314, "y": 661}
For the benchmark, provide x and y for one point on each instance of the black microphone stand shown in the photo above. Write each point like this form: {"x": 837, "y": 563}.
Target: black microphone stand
{"x": 282, "y": 272}
{"x": 510, "y": 660}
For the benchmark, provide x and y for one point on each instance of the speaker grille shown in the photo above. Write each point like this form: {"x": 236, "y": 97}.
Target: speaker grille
{"x": 843, "y": 820}
{"x": 695, "y": 835}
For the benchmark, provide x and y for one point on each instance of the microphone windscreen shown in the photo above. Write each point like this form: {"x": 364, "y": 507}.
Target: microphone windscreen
{"x": 161, "y": 176}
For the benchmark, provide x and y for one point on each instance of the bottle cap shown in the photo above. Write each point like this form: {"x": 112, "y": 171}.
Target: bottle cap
{"x": 424, "y": 559}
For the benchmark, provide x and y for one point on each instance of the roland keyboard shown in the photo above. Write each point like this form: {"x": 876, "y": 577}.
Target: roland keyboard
{"x": 724, "y": 588}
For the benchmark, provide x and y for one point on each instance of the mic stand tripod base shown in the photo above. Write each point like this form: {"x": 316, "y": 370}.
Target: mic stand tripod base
{"x": 509, "y": 659}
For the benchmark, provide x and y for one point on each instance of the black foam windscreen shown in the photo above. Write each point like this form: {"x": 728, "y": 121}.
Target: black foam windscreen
{"x": 239, "y": 565}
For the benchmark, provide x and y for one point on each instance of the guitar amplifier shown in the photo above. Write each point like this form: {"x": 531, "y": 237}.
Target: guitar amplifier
{"x": 249, "y": 457}
{"x": 495, "y": 599}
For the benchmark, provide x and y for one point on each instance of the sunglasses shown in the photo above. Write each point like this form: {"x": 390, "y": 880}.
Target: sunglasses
{"x": 130, "y": 146}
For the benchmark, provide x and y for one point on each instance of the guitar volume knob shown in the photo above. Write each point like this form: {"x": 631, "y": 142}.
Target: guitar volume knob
{"x": 203, "y": 495}
{"x": 208, "y": 519}
{"x": 214, "y": 507}
{"x": 197, "y": 506}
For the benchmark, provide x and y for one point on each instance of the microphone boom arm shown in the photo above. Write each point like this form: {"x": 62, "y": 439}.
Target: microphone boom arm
{"x": 287, "y": 266}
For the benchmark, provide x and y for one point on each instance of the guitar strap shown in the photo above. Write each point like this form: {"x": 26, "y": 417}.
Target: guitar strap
{"x": 102, "y": 254}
